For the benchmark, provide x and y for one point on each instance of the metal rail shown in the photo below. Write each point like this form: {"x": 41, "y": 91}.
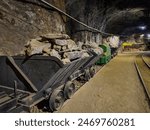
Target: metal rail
{"x": 148, "y": 64}
{"x": 141, "y": 76}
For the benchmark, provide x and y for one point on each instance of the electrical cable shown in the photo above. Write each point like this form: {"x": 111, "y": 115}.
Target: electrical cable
{"x": 81, "y": 23}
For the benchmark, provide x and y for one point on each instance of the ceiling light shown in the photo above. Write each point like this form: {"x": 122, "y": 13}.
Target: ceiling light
{"x": 142, "y": 27}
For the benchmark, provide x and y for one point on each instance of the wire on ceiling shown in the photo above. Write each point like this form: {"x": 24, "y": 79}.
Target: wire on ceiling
{"x": 79, "y": 22}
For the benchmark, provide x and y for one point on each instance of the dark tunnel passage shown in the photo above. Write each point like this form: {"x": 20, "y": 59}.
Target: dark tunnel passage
{"x": 116, "y": 17}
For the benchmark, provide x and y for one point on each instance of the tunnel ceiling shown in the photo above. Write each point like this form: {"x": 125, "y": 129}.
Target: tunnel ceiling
{"x": 117, "y": 16}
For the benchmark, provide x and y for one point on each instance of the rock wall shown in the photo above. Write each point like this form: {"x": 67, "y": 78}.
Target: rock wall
{"x": 110, "y": 16}
{"x": 90, "y": 12}
{"x": 21, "y": 20}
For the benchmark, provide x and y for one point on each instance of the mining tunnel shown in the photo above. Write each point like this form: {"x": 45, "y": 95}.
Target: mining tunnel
{"x": 73, "y": 56}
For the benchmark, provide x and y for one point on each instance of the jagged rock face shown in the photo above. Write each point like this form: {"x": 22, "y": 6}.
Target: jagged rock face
{"x": 88, "y": 12}
{"x": 112, "y": 16}
{"x": 22, "y": 20}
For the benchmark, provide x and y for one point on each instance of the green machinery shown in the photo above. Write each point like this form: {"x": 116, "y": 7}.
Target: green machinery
{"x": 106, "y": 57}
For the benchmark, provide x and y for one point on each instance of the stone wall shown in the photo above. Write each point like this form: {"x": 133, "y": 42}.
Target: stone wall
{"x": 110, "y": 16}
{"x": 90, "y": 12}
{"x": 21, "y": 20}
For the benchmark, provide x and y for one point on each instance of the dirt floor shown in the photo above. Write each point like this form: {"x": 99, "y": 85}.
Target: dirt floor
{"x": 115, "y": 88}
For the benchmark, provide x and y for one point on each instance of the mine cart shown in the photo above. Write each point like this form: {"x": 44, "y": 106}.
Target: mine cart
{"x": 25, "y": 82}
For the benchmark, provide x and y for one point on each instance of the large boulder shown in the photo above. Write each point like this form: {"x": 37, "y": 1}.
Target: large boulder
{"x": 36, "y": 47}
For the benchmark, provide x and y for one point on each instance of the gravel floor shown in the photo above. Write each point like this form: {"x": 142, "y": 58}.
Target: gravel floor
{"x": 115, "y": 88}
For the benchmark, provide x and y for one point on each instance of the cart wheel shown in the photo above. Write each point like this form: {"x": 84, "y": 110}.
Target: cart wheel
{"x": 69, "y": 89}
{"x": 92, "y": 71}
{"x": 56, "y": 100}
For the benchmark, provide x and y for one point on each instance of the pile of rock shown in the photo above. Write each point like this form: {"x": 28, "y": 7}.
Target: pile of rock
{"x": 93, "y": 47}
{"x": 58, "y": 45}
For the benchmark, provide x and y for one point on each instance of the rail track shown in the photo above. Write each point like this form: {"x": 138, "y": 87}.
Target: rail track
{"x": 142, "y": 64}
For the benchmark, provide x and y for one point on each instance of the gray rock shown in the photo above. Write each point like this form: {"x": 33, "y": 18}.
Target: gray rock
{"x": 64, "y": 48}
{"x": 35, "y": 47}
{"x": 66, "y": 61}
{"x": 84, "y": 55}
{"x": 98, "y": 51}
{"x": 80, "y": 44}
{"x": 58, "y": 48}
{"x": 94, "y": 45}
{"x": 72, "y": 45}
{"x": 73, "y": 55}
{"x": 55, "y": 36}
{"x": 46, "y": 51}
{"x": 55, "y": 54}
{"x": 60, "y": 42}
